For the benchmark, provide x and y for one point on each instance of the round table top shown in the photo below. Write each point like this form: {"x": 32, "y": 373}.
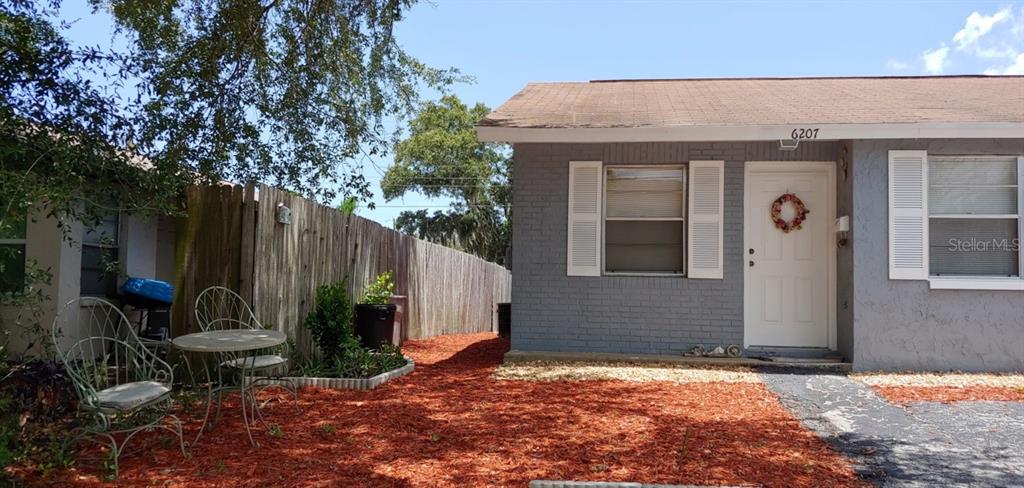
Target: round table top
{"x": 229, "y": 340}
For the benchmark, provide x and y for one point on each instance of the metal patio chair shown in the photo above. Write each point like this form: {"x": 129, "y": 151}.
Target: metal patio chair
{"x": 219, "y": 308}
{"x": 123, "y": 386}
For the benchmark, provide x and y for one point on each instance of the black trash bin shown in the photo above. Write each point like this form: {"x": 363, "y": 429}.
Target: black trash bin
{"x": 505, "y": 320}
{"x": 375, "y": 324}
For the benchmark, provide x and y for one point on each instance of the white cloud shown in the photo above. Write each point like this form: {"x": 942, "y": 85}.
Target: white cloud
{"x": 935, "y": 60}
{"x": 996, "y": 52}
{"x": 896, "y": 65}
{"x": 978, "y": 25}
{"x": 1017, "y": 68}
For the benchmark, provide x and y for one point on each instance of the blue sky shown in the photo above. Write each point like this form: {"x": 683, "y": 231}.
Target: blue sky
{"x": 506, "y": 43}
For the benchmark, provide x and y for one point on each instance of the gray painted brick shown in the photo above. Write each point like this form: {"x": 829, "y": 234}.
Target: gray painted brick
{"x": 661, "y": 315}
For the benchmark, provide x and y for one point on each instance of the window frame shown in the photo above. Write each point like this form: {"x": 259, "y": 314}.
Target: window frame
{"x": 683, "y": 220}
{"x": 980, "y": 281}
{"x": 116, "y": 247}
{"x": 23, "y": 243}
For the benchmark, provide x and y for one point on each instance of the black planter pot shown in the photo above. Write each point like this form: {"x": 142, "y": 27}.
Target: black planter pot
{"x": 375, "y": 324}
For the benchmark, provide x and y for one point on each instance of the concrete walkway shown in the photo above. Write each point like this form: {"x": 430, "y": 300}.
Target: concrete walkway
{"x": 926, "y": 444}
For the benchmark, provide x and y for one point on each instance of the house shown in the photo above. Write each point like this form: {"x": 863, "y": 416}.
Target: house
{"x": 81, "y": 262}
{"x": 653, "y": 216}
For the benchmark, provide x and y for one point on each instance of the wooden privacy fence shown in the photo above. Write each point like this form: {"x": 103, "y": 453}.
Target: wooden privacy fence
{"x": 232, "y": 237}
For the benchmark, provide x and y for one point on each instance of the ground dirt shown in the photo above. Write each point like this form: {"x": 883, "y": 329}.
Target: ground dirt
{"x": 450, "y": 423}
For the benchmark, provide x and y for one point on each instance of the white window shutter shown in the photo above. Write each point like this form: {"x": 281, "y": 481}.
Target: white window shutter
{"x": 908, "y": 215}
{"x": 584, "y": 243}
{"x": 706, "y": 215}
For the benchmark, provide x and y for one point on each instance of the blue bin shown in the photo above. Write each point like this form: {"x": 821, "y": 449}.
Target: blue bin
{"x": 147, "y": 293}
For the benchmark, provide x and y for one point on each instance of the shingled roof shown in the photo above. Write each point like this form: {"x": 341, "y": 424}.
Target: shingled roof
{"x": 763, "y": 101}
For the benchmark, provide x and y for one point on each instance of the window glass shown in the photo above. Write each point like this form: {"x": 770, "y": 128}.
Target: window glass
{"x": 12, "y": 267}
{"x": 649, "y": 247}
{"x": 645, "y": 229}
{"x": 644, "y": 193}
{"x": 13, "y": 230}
{"x": 99, "y": 258}
{"x": 973, "y": 216}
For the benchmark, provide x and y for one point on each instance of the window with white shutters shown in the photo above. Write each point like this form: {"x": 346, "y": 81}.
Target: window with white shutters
{"x": 974, "y": 216}
{"x": 645, "y": 220}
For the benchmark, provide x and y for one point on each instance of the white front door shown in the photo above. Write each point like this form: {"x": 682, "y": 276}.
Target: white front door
{"x": 788, "y": 279}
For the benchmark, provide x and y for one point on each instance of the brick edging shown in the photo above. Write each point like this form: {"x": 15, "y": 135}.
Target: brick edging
{"x": 348, "y": 383}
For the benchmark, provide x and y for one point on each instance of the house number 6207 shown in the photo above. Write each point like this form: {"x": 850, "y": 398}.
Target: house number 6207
{"x": 808, "y": 133}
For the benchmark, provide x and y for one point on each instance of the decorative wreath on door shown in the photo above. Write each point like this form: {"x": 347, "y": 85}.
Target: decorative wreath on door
{"x": 797, "y": 221}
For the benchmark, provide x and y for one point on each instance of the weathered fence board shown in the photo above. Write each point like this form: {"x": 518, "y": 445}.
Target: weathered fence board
{"x": 207, "y": 249}
{"x": 281, "y": 265}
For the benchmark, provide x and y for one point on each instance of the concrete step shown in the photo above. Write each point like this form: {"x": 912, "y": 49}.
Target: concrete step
{"x": 822, "y": 364}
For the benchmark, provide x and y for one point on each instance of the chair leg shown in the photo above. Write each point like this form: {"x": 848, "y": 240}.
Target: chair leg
{"x": 175, "y": 428}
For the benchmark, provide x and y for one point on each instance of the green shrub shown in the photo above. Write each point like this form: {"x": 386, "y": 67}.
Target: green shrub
{"x": 330, "y": 324}
{"x": 330, "y": 321}
{"x": 380, "y": 291}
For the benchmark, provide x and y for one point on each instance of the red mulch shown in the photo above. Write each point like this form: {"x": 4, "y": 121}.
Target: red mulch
{"x": 948, "y": 394}
{"x": 449, "y": 424}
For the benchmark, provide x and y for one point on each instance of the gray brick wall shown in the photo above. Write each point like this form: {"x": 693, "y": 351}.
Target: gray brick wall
{"x": 656, "y": 315}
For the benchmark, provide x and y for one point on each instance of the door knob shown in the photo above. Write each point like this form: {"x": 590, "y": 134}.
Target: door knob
{"x": 751, "y": 264}
{"x": 750, "y": 251}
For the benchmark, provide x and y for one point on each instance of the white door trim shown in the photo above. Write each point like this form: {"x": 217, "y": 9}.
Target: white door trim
{"x": 830, "y": 168}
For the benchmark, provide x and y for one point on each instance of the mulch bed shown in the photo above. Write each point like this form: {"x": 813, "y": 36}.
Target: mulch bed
{"x": 904, "y": 395}
{"x": 450, "y": 424}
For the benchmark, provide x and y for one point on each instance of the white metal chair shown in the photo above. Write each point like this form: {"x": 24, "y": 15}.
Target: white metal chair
{"x": 219, "y": 308}
{"x": 121, "y": 384}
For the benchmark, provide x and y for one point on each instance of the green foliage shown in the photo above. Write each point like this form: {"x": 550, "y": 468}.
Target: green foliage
{"x": 353, "y": 362}
{"x": 275, "y": 431}
{"x": 330, "y": 321}
{"x": 442, "y": 157}
{"x": 330, "y": 324}
{"x": 349, "y": 206}
{"x": 286, "y": 91}
{"x": 64, "y": 139}
{"x": 379, "y": 292}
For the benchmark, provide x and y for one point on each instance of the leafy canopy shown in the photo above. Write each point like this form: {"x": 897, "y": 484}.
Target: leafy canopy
{"x": 281, "y": 91}
{"x": 442, "y": 157}
{"x": 289, "y": 92}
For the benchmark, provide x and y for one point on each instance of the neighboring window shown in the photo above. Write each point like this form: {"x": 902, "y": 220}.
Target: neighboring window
{"x": 99, "y": 258}
{"x": 973, "y": 216}
{"x": 12, "y": 251}
{"x": 644, "y": 220}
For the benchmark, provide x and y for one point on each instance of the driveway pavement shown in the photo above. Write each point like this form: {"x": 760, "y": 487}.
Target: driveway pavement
{"x": 925, "y": 444}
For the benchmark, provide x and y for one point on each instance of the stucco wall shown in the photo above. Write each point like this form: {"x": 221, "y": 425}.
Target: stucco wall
{"x": 143, "y": 252}
{"x": 658, "y": 315}
{"x": 902, "y": 324}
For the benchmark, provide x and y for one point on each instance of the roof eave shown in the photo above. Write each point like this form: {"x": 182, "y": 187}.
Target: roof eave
{"x": 921, "y": 130}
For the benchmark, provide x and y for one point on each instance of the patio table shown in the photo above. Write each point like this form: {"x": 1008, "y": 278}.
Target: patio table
{"x": 236, "y": 344}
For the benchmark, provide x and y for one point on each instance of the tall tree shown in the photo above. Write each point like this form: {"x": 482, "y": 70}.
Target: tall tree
{"x": 283, "y": 91}
{"x": 288, "y": 92}
{"x": 442, "y": 157}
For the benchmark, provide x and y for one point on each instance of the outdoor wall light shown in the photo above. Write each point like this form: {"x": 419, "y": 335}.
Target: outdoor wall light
{"x": 842, "y": 231}
{"x": 284, "y": 214}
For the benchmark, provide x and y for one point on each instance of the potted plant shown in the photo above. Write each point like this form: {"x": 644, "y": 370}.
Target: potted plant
{"x": 375, "y": 317}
